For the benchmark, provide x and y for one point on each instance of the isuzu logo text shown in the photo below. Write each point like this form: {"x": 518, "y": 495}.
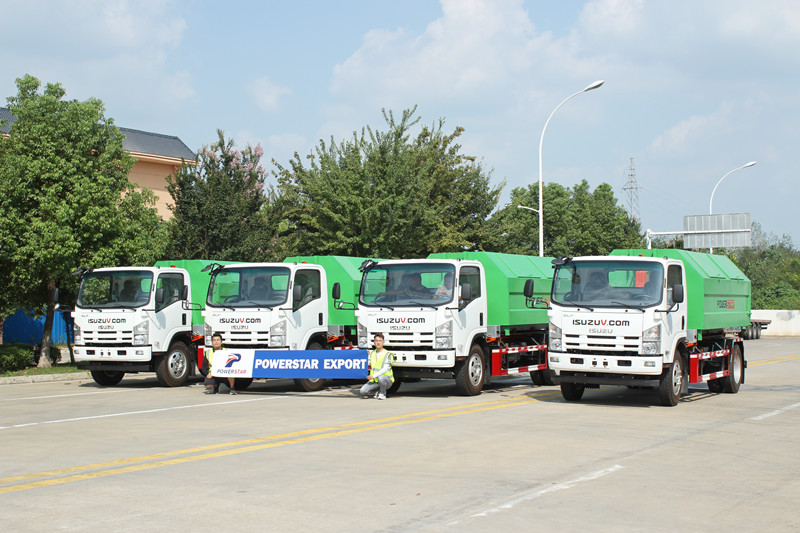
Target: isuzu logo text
{"x": 240, "y": 321}
{"x": 107, "y": 321}
{"x": 599, "y": 322}
{"x": 404, "y": 320}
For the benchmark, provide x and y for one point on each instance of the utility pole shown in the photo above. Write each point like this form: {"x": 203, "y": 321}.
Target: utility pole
{"x": 632, "y": 188}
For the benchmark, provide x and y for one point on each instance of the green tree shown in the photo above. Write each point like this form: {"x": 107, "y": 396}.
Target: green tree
{"x": 773, "y": 265}
{"x": 384, "y": 194}
{"x": 218, "y": 203}
{"x": 66, "y": 199}
{"x": 577, "y": 221}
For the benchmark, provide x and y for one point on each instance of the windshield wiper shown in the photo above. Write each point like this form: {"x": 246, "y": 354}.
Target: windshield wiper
{"x": 628, "y": 306}
{"x": 579, "y": 306}
{"x": 432, "y": 306}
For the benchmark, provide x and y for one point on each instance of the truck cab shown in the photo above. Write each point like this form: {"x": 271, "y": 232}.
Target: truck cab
{"x": 134, "y": 319}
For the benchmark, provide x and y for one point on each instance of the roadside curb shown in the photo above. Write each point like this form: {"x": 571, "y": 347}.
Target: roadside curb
{"x": 43, "y": 378}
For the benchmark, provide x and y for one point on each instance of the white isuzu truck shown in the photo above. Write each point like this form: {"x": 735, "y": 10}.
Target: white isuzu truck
{"x": 140, "y": 319}
{"x": 658, "y": 319}
{"x": 282, "y": 306}
{"x": 461, "y": 316}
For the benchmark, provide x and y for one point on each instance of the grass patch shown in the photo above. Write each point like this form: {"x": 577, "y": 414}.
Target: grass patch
{"x": 35, "y": 371}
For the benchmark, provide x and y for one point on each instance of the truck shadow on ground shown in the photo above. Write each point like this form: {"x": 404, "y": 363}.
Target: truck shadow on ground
{"x": 611, "y": 396}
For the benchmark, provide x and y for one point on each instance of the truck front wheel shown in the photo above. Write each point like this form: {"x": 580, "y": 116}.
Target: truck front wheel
{"x": 107, "y": 378}
{"x": 172, "y": 369}
{"x": 572, "y": 392}
{"x": 469, "y": 377}
{"x": 669, "y": 391}
{"x": 310, "y": 384}
{"x": 730, "y": 383}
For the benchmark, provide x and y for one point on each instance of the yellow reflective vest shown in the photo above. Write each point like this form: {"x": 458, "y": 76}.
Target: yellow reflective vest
{"x": 376, "y": 362}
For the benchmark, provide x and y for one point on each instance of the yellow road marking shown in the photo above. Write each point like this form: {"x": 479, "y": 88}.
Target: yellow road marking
{"x": 260, "y": 443}
{"x": 782, "y": 359}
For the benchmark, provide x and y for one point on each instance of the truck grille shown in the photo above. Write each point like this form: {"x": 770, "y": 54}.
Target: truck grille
{"x": 409, "y": 339}
{"x": 245, "y": 338}
{"x": 599, "y": 344}
{"x": 108, "y": 338}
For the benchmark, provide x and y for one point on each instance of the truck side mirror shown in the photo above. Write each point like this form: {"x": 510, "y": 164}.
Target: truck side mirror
{"x": 336, "y": 293}
{"x": 466, "y": 292}
{"x": 159, "y": 296}
{"x": 528, "y": 290}
{"x": 677, "y": 293}
{"x": 297, "y": 293}
{"x": 185, "y": 292}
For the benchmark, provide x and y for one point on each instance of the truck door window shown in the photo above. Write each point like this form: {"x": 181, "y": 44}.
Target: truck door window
{"x": 674, "y": 276}
{"x": 172, "y": 284}
{"x": 309, "y": 283}
{"x": 471, "y": 275}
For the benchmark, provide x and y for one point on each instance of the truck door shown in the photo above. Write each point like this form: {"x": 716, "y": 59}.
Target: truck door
{"x": 472, "y": 315}
{"x": 309, "y": 311}
{"x": 169, "y": 316}
{"x": 674, "y": 322}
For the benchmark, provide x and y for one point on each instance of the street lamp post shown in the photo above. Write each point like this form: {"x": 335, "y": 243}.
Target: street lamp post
{"x": 711, "y": 201}
{"x": 591, "y": 87}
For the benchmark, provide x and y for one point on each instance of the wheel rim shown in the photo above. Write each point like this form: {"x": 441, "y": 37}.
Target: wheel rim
{"x": 677, "y": 378}
{"x": 177, "y": 364}
{"x": 736, "y": 371}
{"x": 475, "y": 370}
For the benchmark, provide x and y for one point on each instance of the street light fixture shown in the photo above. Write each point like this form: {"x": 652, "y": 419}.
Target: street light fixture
{"x": 711, "y": 202}
{"x": 591, "y": 87}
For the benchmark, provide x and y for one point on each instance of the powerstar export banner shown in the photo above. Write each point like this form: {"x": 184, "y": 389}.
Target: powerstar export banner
{"x": 327, "y": 364}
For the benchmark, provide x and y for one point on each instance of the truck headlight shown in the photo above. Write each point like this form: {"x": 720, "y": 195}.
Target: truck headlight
{"x": 277, "y": 335}
{"x": 363, "y": 341}
{"x": 207, "y": 332}
{"x": 444, "y": 336}
{"x": 76, "y": 329}
{"x": 554, "y": 338}
{"x": 141, "y": 333}
{"x": 651, "y": 340}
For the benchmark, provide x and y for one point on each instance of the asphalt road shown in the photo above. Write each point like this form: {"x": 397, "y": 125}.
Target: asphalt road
{"x": 139, "y": 457}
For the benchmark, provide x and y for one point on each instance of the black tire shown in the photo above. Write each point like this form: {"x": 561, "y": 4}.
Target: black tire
{"x": 669, "y": 391}
{"x": 547, "y": 376}
{"x": 730, "y": 383}
{"x": 715, "y": 386}
{"x": 172, "y": 369}
{"x": 310, "y": 384}
{"x": 537, "y": 377}
{"x": 107, "y": 378}
{"x": 757, "y": 328}
{"x": 395, "y": 386}
{"x": 572, "y": 392}
{"x": 470, "y": 376}
{"x": 242, "y": 383}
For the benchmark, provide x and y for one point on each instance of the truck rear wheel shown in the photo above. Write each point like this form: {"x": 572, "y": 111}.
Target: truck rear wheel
{"x": 107, "y": 378}
{"x": 669, "y": 391}
{"x": 172, "y": 369}
{"x": 469, "y": 377}
{"x": 730, "y": 383}
{"x": 310, "y": 384}
{"x": 242, "y": 383}
{"x": 572, "y": 392}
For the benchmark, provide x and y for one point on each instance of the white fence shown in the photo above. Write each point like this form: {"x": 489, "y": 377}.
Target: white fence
{"x": 784, "y": 323}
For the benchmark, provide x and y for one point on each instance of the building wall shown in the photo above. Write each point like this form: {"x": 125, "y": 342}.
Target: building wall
{"x": 153, "y": 175}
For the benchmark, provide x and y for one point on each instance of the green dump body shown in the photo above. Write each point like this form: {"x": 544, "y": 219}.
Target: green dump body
{"x": 199, "y": 282}
{"x": 506, "y": 275}
{"x": 717, "y": 292}
{"x": 342, "y": 270}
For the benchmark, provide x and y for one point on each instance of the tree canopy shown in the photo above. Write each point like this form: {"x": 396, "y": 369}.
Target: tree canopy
{"x": 66, "y": 199}
{"x": 385, "y": 194}
{"x": 218, "y": 201}
{"x": 577, "y": 221}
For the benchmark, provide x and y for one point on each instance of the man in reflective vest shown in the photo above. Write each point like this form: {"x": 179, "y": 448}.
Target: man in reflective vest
{"x": 381, "y": 376}
{"x": 211, "y": 382}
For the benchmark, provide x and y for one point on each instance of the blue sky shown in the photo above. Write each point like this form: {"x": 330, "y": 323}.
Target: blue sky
{"x": 693, "y": 88}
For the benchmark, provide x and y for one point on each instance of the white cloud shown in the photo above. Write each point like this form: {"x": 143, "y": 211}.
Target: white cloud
{"x": 266, "y": 94}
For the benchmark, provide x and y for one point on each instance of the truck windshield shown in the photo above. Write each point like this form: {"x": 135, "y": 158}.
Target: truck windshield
{"x": 408, "y": 284}
{"x": 118, "y": 288}
{"x": 248, "y": 287}
{"x": 608, "y": 283}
